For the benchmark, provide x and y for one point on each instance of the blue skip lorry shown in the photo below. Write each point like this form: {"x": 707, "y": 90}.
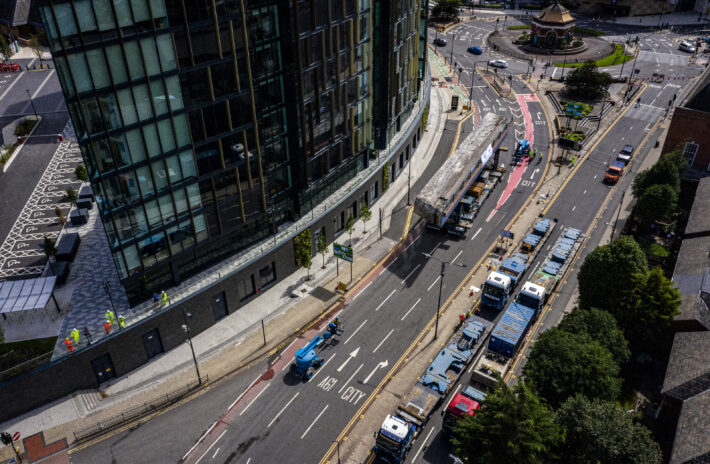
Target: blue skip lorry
{"x": 399, "y": 429}
{"x": 501, "y": 282}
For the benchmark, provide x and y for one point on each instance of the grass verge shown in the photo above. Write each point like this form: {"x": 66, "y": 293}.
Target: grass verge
{"x": 615, "y": 58}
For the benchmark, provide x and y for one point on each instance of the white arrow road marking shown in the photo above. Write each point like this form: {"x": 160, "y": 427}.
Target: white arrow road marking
{"x": 538, "y": 115}
{"x": 353, "y": 334}
{"x": 382, "y": 364}
{"x": 352, "y": 355}
{"x": 534, "y": 172}
{"x": 385, "y": 300}
{"x": 517, "y": 134}
{"x": 383, "y": 340}
{"x": 316, "y": 420}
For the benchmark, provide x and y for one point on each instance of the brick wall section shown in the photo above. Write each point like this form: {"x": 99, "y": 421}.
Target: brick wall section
{"x": 690, "y": 125}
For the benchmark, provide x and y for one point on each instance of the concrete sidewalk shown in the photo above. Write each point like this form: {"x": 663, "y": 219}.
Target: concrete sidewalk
{"x": 285, "y": 309}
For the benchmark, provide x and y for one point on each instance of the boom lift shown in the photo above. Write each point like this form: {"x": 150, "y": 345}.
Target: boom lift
{"x": 306, "y": 359}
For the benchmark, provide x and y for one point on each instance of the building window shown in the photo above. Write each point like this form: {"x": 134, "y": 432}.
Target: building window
{"x": 267, "y": 275}
{"x": 246, "y": 288}
{"x": 689, "y": 151}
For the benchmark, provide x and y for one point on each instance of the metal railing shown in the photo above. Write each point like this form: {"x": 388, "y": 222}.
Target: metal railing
{"x": 136, "y": 412}
{"x": 14, "y": 371}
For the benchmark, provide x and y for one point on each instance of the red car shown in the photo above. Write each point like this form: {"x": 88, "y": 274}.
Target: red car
{"x": 8, "y": 67}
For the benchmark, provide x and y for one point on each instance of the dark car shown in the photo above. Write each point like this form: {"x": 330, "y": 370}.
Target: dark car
{"x": 455, "y": 231}
{"x": 475, "y": 50}
{"x": 628, "y": 150}
{"x": 439, "y": 41}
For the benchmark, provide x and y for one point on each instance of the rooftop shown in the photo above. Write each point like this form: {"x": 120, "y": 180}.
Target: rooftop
{"x": 555, "y": 13}
{"x": 688, "y": 371}
{"x": 698, "y": 98}
{"x": 699, "y": 219}
{"x": 692, "y": 440}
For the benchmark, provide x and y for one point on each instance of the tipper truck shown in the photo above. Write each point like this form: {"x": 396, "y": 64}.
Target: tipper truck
{"x": 398, "y": 430}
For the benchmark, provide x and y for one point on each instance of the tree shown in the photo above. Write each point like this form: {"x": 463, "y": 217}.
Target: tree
{"x": 302, "y": 251}
{"x": 663, "y": 172}
{"x": 365, "y": 214}
{"x": 562, "y": 364}
{"x": 60, "y": 216}
{"x": 512, "y": 426}
{"x": 50, "y": 250}
{"x": 322, "y": 247}
{"x": 602, "y": 432}
{"x": 676, "y": 157}
{"x": 446, "y": 9}
{"x": 5, "y": 49}
{"x": 35, "y": 43}
{"x": 606, "y": 272}
{"x": 71, "y": 196}
{"x": 586, "y": 81}
{"x": 601, "y": 327}
{"x": 81, "y": 173}
{"x": 649, "y": 310}
{"x": 656, "y": 203}
{"x": 350, "y": 227}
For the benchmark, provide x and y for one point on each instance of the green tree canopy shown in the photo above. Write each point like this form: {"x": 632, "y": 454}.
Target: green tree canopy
{"x": 446, "y": 9}
{"x": 601, "y": 327}
{"x": 5, "y": 49}
{"x": 656, "y": 203}
{"x": 602, "y": 432}
{"x": 676, "y": 157}
{"x": 664, "y": 171}
{"x": 649, "y": 310}
{"x": 302, "y": 250}
{"x": 606, "y": 272}
{"x": 512, "y": 426}
{"x": 562, "y": 364}
{"x": 586, "y": 81}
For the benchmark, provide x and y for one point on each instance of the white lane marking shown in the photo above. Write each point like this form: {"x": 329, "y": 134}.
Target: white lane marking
{"x": 434, "y": 283}
{"x": 322, "y": 367}
{"x": 410, "y": 245}
{"x": 385, "y": 300}
{"x": 208, "y": 449}
{"x": 10, "y": 86}
{"x": 282, "y": 410}
{"x": 255, "y": 398}
{"x": 215, "y": 453}
{"x": 240, "y": 396}
{"x": 361, "y": 291}
{"x": 350, "y": 378}
{"x": 34, "y": 95}
{"x": 377, "y": 367}
{"x": 314, "y": 422}
{"x": 584, "y": 193}
{"x": 474, "y": 235}
{"x": 595, "y": 176}
{"x": 574, "y": 207}
{"x": 353, "y": 334}
{"x": 489, "y": 100}
{"x": 383, "y": 340}
{"x": 452, "y": 261}
{"x": 434, "y": 249}
{"x": 423, "y": 443}
{"x": 410, "y": 309}
{"x": 410, "y": 274}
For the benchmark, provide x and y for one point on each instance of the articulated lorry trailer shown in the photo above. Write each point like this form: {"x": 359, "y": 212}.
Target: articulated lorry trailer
{"x": 513, "y": 326}
{"x": 399, "y": 429}
{"x": 502, "y": 282}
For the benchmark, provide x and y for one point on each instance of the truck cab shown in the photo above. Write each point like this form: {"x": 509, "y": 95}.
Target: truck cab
{"x": 514, "y": 268}
{"x": 463, "y": 404}
{"x": 496, "y": 290}
{"x": 614, "y": 172}
{"x": 394, "y": 439}
{"x": 532, "y": 296}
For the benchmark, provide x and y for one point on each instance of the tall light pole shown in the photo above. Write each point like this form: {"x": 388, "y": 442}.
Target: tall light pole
{"x": 337, "y": 442}
{"x": 451, "y": 56}
{"x": 441, "y": 286}
{"x": 186, "y": 328}
{"x": 107, "y": 289}
{"x": 409, "y": 178}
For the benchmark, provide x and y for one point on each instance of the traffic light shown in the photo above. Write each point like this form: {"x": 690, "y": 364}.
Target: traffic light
{"x": 6, "y": 438}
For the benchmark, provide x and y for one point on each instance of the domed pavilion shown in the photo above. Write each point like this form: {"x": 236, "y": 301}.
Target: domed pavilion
{"x": 553, "y": 26}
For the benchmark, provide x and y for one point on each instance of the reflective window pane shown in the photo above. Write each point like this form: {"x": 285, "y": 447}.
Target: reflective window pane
{"x": 151, "y": 140}
{"x": 135, "y": 145}
{"x": 165, "y": 129}
{"x": 159, "y": 99}
{"x": 115, "y": 60}
{"x": 104, "y": 15}
{"x": 140, "y": 94}
{"x": 85, "y": 15}
{"x": 150, "y": 55}
{"x": 161, "y": 177}
{"x": 174, "y": 93}
{"x": 145, "y": 182}
{"x": 80, "y": 72}
{"x": 135, "y": 65}
{"x": 166, "y": 53}
{"x": 128, "y": 108}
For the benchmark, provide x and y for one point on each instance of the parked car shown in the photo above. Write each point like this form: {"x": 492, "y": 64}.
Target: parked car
{"x": 687, "y": 47}
{"x": 705, "y": 39}
{"x": 475, "y": 50}
{"x": 498, "y": 63}
{"x": 7, "y": 67}
{"x": 455, "y": 231}
{"x": 440, "y": 42}
{"x": 625, "y": 154}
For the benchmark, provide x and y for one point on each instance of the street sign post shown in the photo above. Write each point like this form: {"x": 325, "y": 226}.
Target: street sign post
{"x": 16, "y": 436}
{"x": 343, "y": 252}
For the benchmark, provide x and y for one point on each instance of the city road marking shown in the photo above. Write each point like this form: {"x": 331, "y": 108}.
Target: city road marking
{"x": 574, "y": 207}
{"x": 321, "y": 368}
{"x": 410, "y": 309}
{"x": 213, "y": 443}
{"x": 248, "y": 460}
{"x": 255, "y": 398}
{"x": 361, "y": 291}
{"x": 474, "y": 235}
{"x": 282, "y": 410}
{"x": 434, "y": 249}
{"x": 410, "y": 245}
{"x": 595, "y": 176}
{"x": 353, "y": 334}
{"x": 351, "y": 356}
{"x": 215, "y": 453}
{"x": 423, "y": 443}
{"x": 34, "y": 95}
{"x": 410, "y": 274}
{"x": 584, "y": 193}
{"x": 452, "y": 261}
{"x": 434, "y": 283}
{"x": 316, "y": 420}
{"x": 350, "y": 378}
{"x": 383, "y": 340}
{"x": 385, "y": 300}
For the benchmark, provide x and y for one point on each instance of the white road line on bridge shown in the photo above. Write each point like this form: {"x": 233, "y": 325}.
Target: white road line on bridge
{"x": 314, "y": 422}
{"x": 474, "y": 235}
{"x": 208, "y": 449}
{"x": 456, "y": 257}
{"x": 361, "y": 291}
{"x": 350, "y": 378}
{"x": 215, "y": 453}
{"x": 434, "y": 249}
{"x": 34, "y": 95}
{"x": 409, "y": 245}
{"x": 433, "y": 283}
{"x": 385, "y": 300}
{"x": 321, "y": 368}
{"x": 255, "y": 398}
{"x": 248, "y": 461}
{"x": 383, "y": 340}
{"x": 574, "y": 207}
{"x": 353, "y": 334}
{"x": 282, "y": 410}
{"x": 423, "y": 443}
{"x": 584, "y": 193}
{"x": 410, "y": 274}
{"x": 410, "y": 309}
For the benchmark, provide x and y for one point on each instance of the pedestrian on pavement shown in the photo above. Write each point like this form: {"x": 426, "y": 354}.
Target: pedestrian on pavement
{"x": 121, "y": 322}
{"x": 75, "y": 335}
{"x": 68, "y": 344}
{"x": 462, "y": 318}
{"x": 638, "y": 102}
{"x": 164, "y": 297}
{"x": 156, "y": 297}
{"x": 110, "y": 316}
{"x": 107, "y": 326}
{"x": 87, "y": 334}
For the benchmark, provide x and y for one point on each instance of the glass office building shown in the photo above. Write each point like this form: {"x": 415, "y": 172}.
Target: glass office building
{"x": 207, "y": 124}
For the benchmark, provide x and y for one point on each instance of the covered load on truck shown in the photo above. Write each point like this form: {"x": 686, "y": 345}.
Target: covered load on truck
{"x": 440, "y": 196}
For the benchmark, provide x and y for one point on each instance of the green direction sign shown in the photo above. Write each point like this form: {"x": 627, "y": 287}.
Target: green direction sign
{"x": 343, "y": 252}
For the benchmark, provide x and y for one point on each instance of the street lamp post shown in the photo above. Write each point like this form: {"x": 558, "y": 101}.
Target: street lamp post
{"x": 451, "y": 56}
{"x": 337, "y": 443}
{"x": 107, "y": 289}
{"x": 409, "y": 179}
{"x": 186, "y": 328}
{"x": 601, "y": 113}
{"x": 441, "y": 287}
{"x": 31, "y": 102}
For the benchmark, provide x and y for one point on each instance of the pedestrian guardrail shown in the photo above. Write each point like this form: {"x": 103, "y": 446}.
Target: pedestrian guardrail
{"x": 14, "y": 371}
{"x": 136, "y": 412}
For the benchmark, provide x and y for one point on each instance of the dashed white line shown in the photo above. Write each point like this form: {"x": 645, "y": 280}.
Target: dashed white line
{"x": 350, "y": 378}
{"x": 584, "y": 193}
{"x": 385, "y": 300}
{"x": 423, "y": 443}
{"x": 215, "y": 453}
{"x": 410, "y": 309}
{"x": 353, "y": 334}
{"x": 410, "y": 274}
{"x": 410, "y": 244}
{"x": 255, "y": 398}
{"x": 282, "y": 410}
{"x": 361, "y": 291}
{"x": 316, "y": 420}
{"x": 474, "y": 235}
{"x": 574, "y": 207}
{"x": 456, "y": 257}
{"x": 322, "y": 367}
{"x": 208, "y": 449}
{"x": 434, "y": 283}
{"x": 383, "y": 340}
